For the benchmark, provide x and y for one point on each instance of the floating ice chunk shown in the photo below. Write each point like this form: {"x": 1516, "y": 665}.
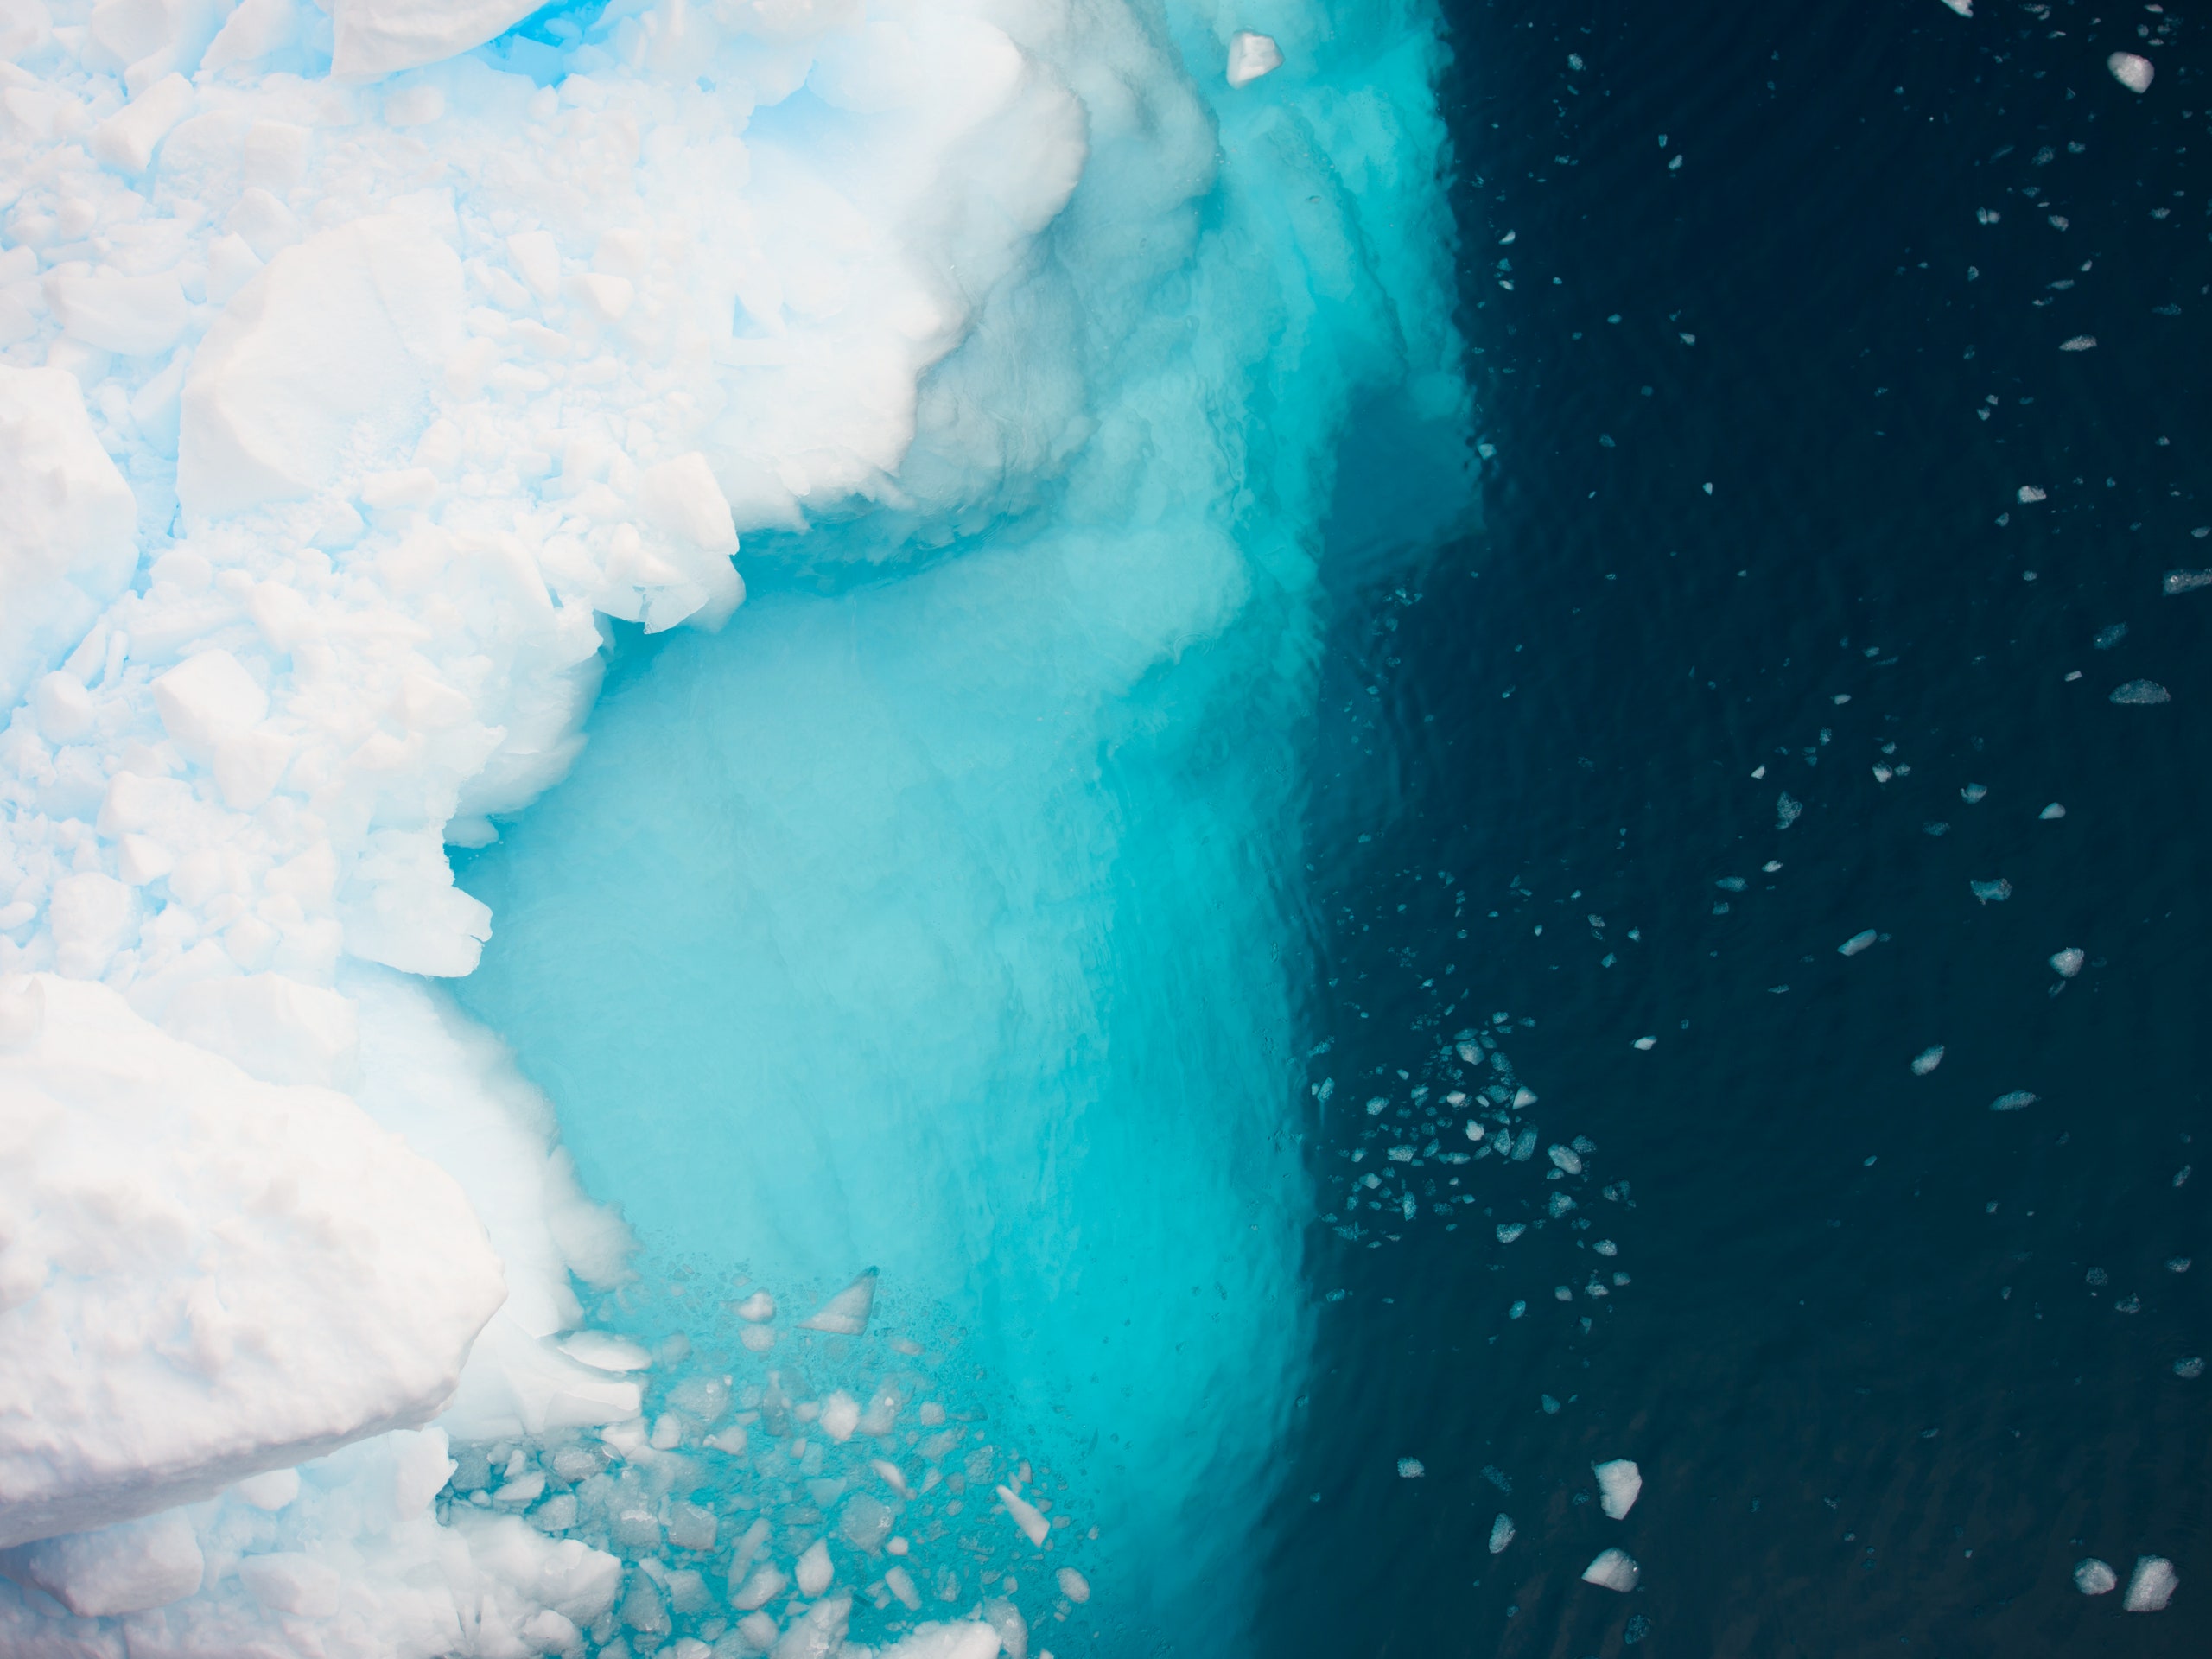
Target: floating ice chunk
{"x": 2029, "y": 492}
{"x": 1510, "y": 1230}
{"x": 2133, "y": 73}
{"x": 1025, "y": 1516}
{"x": 845, "y": 1314}
{"x": 2017, "y": 1100}
{"x": 1524, "y": 1145}
{"x": 841, "y": 1415}
{"x": 1613, "y": 1569}
{"x": 1566, "y": 1159}
{"x": 1523, "y": 1098}
{"x": 2176, "y": 1264}
{"x": 2187, "y": 582}
{"x": 1992, "y": 892}
{"x": 130, "y": 1569}
{"x": 1620, "y": 1483}
{"x": 1646, "y": 1044}
{"x": 2054, "y": 810}
{"x": 68, "y": 525}
{"x": 2189, "y": 1370}
{"x": 1411, "y": 1469}
{"x": 1927, "y": 1060}
{"x": 1501, "y": 1533}
{"x": 815, "y": 1569}
{"x": 1857, "y": 942}
{"x": 1787, "y": 811}
{"x": 1964, "y": 8}
{"x": 2141, "y": 693}
{"x": 900, "y": 1583}
{"x": 757, "y": 1309}
{"x": 1073, "y": 1585}
{"x": 2068, "y": 963}
{"x": 1251, "y": 56}
{"x": 2152, "y": 1584}
{"x": 269, "y": 1273}
{"x": 761, "y": 1586}
{"x": 2108, "y": 638}
{"x": 2095, "y": 1578}
{"x": 2080, "y": 343}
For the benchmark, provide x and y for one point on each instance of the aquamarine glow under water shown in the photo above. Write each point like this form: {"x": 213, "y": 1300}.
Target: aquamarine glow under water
{"x": 942, "y": 915}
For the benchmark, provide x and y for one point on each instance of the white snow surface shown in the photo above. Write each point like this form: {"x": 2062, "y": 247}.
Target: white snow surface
{"x": 348, "y": 383}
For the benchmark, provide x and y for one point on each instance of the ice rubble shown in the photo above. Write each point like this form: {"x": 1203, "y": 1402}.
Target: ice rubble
{"x": 349, "y": 377}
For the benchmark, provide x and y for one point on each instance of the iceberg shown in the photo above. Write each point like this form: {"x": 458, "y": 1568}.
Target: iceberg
{"x": 914, "y": 443}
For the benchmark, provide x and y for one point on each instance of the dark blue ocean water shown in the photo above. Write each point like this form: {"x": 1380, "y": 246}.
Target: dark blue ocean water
{"x": 1793, "y": 490}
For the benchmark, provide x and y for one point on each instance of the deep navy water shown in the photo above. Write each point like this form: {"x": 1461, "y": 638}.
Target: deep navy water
{"x": 1764, "y": 390}
{"x": 1811, "y": 540}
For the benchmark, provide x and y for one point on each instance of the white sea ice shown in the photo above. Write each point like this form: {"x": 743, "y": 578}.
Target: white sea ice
{"x": 1620, "y": 1483}
{"x": 2141, "y": 693}
{"x": 2094, "y": 1578}
{"x": 2152, "y": 1585}
{"x": 1927, "y": 1060}
{"x": 2068, "y": 963}
{"x": 2017, "y": 1100}
{"x": 845, "y": 1314}
{"x": 1501, "y": 1534}
{"x": 1613, "y": 1569}
{"x": 1858, "y": 942}
{"x": 2132, "y": 71}
{"x": 1251, "y": 56}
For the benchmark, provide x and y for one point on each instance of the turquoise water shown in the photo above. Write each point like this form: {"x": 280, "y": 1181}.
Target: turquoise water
{"x": 944, "y": 914}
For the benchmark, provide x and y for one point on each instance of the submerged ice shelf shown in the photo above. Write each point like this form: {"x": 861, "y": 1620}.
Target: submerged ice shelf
{"x": 362, "y": 368}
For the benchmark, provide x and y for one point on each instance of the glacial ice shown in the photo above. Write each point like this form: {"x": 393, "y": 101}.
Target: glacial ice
{"x": 361, "y": 369}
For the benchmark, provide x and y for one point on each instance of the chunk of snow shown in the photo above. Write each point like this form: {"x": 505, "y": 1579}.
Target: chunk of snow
{"x": 1251, "y": 56}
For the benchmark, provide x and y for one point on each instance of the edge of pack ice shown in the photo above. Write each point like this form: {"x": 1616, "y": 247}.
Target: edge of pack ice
{"x": 402, "y": 422}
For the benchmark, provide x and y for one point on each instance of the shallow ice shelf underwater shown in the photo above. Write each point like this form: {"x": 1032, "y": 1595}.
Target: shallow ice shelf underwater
{"x": 375, "y": 377}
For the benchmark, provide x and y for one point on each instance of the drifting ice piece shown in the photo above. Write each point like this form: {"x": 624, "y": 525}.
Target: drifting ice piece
{"x": 2095, "y": 1578}
{"x": 1251, "y": 56}
{"x": 845, "y": 1313}
{"x": 2131, "y": 72}
{"x": 1619, "y": 1484}
{"x": 2152, "y": 1585}
{"x": 1614, "y": 1569}
{"x": 226, "y": 1276}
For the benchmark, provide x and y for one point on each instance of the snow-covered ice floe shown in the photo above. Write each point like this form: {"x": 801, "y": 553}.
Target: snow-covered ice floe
{"x": 368, "y": 370}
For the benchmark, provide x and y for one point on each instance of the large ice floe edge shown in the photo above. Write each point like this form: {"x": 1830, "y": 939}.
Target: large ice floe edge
{"x": 361, "y": 367}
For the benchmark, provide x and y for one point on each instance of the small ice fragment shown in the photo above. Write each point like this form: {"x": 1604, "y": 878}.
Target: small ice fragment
{"x": 845, "y": 1313}
{"x": 2018, "y": 1100}
{"x": 2152, "y": 1584}
{"x": 2068, "y": 963}
{"x": 2141, "y": 693}
{"x": 1566, "y": 1159}
{"x": 1550, "y": 1404}
{"x": 1732, "y": 883}
{"x": 1523, "y": 1098}
{"x": 1251, "y": 56}
{"x": 1516, "y": 1310}
{"x": 1647, "y": 1044}
{"x": 757, "y": 1309}
{"x": 2187, "y": 582}
{"x": 1411, "y": 1469}
{"x": 2189, "y": 1370}
{"x": 900, "y": 1583}
{"x": 1772, "y": 866}
{"x": 1033, "y": 1526}
{"x": 1375, "y": 1107}
{"x": 2108, "y": 638}
{"x": 1074, "y": 1586}
{"x": 1501, "y": 1534}
{"x": 2080, "y": 343}
{"x": 2135, "y": 74}
{"x": 1927, "y": 1060}
{"x": 1856, "y": 942}
{"x": 1620, "y": 1483}
{"x": 1614, "y": 1569}
{"x": 1787, "y": 811}
{"x": 2176, "y": 1264}
{"x": 1510, "y": 1230}
{"x": 2054, "y": 810}
{"x": 1964, "y": 8}
{"x": 1992, "y": 892}
{"x": 2029, "y": 492}
{"x": 1974, "y": 794}
{"x": 815, "y": 1569}
{"x": 2095, "y": 1578}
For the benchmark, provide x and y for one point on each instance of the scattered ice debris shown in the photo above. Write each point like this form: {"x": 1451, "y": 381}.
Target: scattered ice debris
{"x": 2080, "y": 343}
{"x": 2054, "y": 810}
{"x": 1501, "y": 1533}
{"x": 1927, "y": 1060}
{"x": 2152, "y": 1584}
{"x": 2187, "y": 582}
{"x": 1857, "y": 942}
{"x": 2141, "y": 693}
{"x": 1973, "y": 794}
{"x": 2068, "y": 963}
{"x": 845, "y": 1313}
{"x": 1647, "y": 1044}
{"x": 2029, "y": 492}
{"x": 1992, "y": 892}
{"x": 1411, "y": 1468}
{"x": 1510, "y": 1230}
{"x": 2095, "y": 1578}
{"x": 2017, "y": 1100}
{"x": 1787, "y": 811}
{"x": 2189, "y": 1370}
{"x": 1250, "y": 56}
{"x": 2133, "y": 73}
{"x": 1613, "y": 1569}
{"x": 1620, "y": 1483}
